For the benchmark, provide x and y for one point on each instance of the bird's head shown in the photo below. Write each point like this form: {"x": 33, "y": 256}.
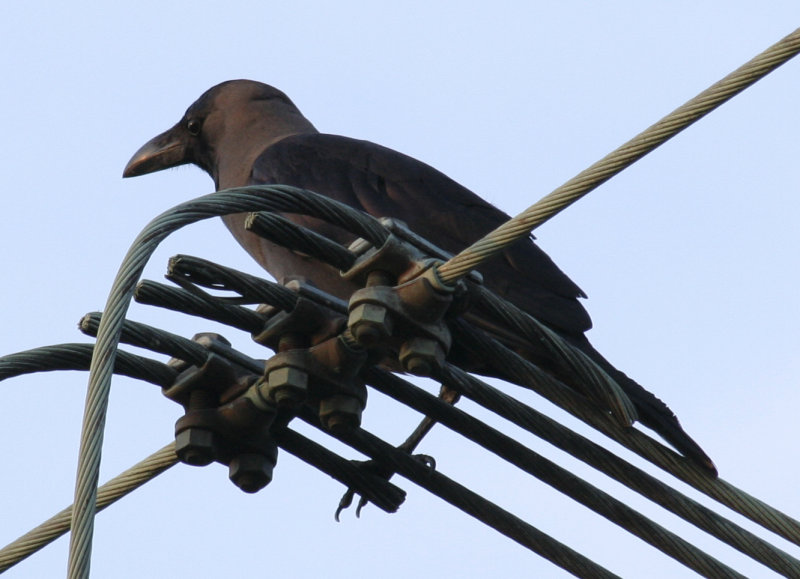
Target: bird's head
{"x": 223, "y": 132}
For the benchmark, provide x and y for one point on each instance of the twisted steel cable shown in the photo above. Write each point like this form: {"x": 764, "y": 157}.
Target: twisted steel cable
{"x": 523, "y": 372}
{"x": 239, "y": 200}
{"x": 107, "y": 494}
{"x": 280, "y": 230}
{"x": 467, "y": 501}
{"x": 607, "y": 462}
{"x": 190, "y": 272}
{"x": 144, "y": 336}
{"x": 545, "y": 470}
{"x": 621, "y": 158}
{"x": 78, "y": 357}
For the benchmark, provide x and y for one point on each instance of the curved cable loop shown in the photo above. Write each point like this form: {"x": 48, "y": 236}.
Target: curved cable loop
{"x": 621, "y": 158}
{"x": 144, "y": 336}
{"x": 284, "y": 198}
{"x": 78, "y": 357}
{"x": 239, "y": 200}
{"x": 189, "y": 272}
{"x": 280, "y": 230}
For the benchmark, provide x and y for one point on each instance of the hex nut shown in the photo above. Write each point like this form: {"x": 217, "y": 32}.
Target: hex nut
{"x": 196, "y": 446}
{"x": 251, "y": 471}
{"x": 370, "y": 323}
{"x": 420, "y": 356}
{"x": 287, "y": 386}
{"x": 340, "y": 412}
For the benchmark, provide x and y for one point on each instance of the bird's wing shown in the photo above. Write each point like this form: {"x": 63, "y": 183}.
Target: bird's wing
{"x": 383, "y": 182}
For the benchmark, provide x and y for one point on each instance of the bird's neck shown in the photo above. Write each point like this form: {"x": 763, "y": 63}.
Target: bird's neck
{"x": 242, "y": 148}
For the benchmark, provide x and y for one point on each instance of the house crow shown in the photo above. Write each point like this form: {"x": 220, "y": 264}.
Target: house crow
{"x": 243, "y": 133}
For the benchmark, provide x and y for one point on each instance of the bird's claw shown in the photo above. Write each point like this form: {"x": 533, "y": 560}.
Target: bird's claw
{"x": 345, "y": 502}
{"x": 380, "y": 470}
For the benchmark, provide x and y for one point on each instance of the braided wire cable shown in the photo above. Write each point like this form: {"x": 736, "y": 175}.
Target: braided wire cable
{"x": 240, "y": 200}
{"x": 619, "y": 159}
{"x": 523, "y": 372}
{"x": 607, "y": 462}
{"x": 591, "y": 377}
{"x": 153, "y": 293}
{"x": 380, "y": 492}
{"x": 280, "y": 230}
{"x": 78, "y": 357}
{"x": 109, "y": 493}
{"x": 189, "y": 272}
{"x": 468, "y": 501}
{"x": 550, "y": 473}
{"x": 293, "y": 200}
{"x": 144, "y": 336}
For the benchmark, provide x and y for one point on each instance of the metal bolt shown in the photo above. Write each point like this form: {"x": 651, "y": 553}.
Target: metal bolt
{"x": 421, "y": 356}
{"x": 340, "y": 412}
{"x": 195, "y": 446}
{"x": 251, "y": 471}
{"x": 291, "y": 341}
{"x": 379, "y": 277}
{"x": 370, "y": 323}
{"x": 287, "y": 386}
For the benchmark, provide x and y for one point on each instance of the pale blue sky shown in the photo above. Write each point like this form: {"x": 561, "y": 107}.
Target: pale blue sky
{"x": 689, "y": 258}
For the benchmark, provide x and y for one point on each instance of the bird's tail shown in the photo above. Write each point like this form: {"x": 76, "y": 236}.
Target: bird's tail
{"x": 653, "y": 413}
{"x": 648, "y": 409}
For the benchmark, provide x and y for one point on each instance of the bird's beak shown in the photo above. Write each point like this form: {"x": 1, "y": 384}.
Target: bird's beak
{"x": 162, "y": 152}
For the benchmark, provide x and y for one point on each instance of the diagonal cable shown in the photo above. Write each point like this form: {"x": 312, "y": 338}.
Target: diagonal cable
{"x": 109, "y": 493}
{"x": 621, "y": 158}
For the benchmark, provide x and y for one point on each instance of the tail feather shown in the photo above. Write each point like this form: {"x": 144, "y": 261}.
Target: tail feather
{"x": 653, "y": 412}
{"x": 649, "y": 409}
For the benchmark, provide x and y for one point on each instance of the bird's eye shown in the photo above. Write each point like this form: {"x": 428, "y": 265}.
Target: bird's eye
{"x": 194, "y": 126}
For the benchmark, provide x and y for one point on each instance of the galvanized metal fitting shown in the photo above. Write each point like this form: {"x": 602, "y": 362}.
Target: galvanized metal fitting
{"x": 286, "y": 386}
{"x": 421, "y": 356}
{"x": 196, "y": 446}
{"x": 318, "y": 375}
{"x": 252, "y": 471}
{"x": 408, "y": 318}
{"x": 370, "y": 323}
{"x": 340, "y": 412}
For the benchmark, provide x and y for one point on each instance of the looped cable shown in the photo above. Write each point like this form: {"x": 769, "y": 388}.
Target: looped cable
{"x": 239, "y": 200}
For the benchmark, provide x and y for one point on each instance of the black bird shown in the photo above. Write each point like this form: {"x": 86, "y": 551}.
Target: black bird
{"x": 243, "y": 132}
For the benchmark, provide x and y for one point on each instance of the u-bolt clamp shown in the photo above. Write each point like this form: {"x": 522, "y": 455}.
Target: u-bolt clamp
{"x": 407, "y": 318}
{"x": 220, "y": 424}
{"x": 325, "y": 376}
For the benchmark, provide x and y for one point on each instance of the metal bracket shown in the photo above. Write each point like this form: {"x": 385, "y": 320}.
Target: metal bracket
{"x": 325, "y": 375}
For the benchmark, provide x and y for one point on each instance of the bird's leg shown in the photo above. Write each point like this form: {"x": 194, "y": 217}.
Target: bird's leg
{"x": 447, "y": 395}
